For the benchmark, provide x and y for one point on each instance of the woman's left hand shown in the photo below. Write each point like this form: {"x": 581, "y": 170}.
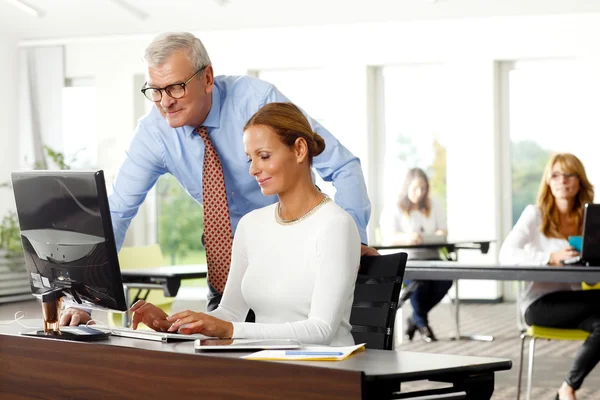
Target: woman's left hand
{"x": 189, "y": 322}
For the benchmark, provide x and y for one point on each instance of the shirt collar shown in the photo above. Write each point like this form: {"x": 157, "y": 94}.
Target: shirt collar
{"x": 213, "y": 119}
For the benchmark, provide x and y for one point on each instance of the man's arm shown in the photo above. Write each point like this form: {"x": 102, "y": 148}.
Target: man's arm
{"x": 139, "y": 172}
{"x": 337, "y": 165}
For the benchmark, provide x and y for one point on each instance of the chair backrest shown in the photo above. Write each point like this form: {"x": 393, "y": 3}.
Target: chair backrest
{"x": 376, "y": 299}
{"x": 141, "y": 257}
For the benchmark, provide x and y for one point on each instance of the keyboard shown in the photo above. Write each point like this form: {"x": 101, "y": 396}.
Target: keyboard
{"x": 573, "y": 261}
{"x": 153, "y": 335}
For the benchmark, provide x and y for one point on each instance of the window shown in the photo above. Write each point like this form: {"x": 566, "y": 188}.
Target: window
{"x": 80, "y": 141}
{"x": 299, "y": 86}
{"x": 552, "y": 107}
{"x": 180, "y": 223}
{"x": 414, "y": 98}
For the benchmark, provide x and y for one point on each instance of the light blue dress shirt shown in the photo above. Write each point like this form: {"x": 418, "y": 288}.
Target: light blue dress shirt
{"x": 157, "y": 149}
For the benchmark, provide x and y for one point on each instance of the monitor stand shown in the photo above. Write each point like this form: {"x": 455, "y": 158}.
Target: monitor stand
{"x": 51, "y": 306}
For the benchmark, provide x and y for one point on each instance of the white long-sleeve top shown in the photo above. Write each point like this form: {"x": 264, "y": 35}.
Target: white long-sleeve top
{"x": 526, "y": 245}
{"x": 299, "y": 279}
{"x": 394, "y": 220}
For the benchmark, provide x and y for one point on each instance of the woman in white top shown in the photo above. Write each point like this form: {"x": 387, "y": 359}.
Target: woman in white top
{"x": 540, "y": 238}
{"x": 294, "y": 262}
{"x": 415, "y": 214}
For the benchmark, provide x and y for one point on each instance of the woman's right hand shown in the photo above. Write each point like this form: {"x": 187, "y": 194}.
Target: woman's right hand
{"x": 149, "y": 314}
{"x": 557, "y": 257}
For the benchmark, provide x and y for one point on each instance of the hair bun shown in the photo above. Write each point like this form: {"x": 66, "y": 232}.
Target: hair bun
{"x": 318, "y": 144}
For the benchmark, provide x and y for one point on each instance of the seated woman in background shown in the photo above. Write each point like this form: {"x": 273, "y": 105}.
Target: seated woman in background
{"x": 540, "y": 238}
{"x": 294, "y": 262}
{"x": 417, "y": 214}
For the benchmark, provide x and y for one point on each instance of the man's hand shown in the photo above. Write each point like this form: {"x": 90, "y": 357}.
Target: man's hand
{"x": 189, "y": 322}
{"x": 150, "y": 315}
{"x": 74, "y": 316}
{"x": 367, "y": 251}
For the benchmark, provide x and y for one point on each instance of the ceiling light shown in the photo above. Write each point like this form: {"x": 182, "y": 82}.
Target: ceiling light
{"x": 132, "y": 9}
{"x": 23, "y": 6}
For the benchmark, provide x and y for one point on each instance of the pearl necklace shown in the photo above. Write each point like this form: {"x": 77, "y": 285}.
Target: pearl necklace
{"x": 310, "y": 212}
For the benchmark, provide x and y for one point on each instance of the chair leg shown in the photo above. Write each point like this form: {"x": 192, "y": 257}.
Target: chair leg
{"x": 520, "y": 376}
{"x": 530, "y": 372}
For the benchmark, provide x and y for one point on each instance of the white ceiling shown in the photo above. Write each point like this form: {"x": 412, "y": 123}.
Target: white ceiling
{"x": 76, "y": 18}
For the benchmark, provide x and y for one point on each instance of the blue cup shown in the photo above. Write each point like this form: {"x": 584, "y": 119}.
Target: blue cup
{"x": 575, "y": 242}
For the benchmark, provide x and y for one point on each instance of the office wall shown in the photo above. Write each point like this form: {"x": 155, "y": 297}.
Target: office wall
{"x": 8, "y": 116}
{"x": 469, "y": 48}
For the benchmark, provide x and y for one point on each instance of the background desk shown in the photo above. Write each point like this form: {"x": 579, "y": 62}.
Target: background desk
{"x": 451, "y": 248}
{"x": 168, "y": 278}
{"x": 451, "y": 270}
{"x": 132, "y": 369}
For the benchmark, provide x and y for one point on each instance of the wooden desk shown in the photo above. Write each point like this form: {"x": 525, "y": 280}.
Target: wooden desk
{"x": 126, "y": 368}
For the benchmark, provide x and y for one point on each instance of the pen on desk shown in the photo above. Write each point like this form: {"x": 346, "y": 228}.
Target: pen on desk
{"x": 312, "y": 353}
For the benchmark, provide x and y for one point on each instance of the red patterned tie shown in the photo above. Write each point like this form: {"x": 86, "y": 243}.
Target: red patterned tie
{"x": 217, "y": 224}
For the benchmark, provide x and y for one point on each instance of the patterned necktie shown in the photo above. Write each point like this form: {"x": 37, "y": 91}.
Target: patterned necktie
{"x": 218, "y": 237}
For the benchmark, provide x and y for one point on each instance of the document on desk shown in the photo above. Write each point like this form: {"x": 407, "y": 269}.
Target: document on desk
{"x": 308, "y": 353}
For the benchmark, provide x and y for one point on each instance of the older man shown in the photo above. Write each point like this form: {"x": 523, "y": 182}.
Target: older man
{"x": 194, "y": 132}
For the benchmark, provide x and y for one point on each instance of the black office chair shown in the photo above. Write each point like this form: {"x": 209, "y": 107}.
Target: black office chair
{"x": 376, "y": 299}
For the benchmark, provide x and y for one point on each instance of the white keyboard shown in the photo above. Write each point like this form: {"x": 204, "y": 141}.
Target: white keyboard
{"x": 153, "y": 335}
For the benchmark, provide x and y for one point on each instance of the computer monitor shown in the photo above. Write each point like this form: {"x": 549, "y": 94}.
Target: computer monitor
{"x": 68, "y": 241}
{"x": 590, "y": 248}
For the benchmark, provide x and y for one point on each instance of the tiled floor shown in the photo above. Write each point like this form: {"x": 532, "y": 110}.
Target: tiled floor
{"x": 552, "y": 359}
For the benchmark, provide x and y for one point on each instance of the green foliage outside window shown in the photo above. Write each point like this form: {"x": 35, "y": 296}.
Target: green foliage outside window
{"x": 528, "y": 162}
{"x": 180, "y": 223}
{"x": 437, "y": 173}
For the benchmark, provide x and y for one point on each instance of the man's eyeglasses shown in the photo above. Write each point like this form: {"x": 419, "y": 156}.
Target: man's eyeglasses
{"x": 558, "y": 175}
{"x": 176, "y": 90}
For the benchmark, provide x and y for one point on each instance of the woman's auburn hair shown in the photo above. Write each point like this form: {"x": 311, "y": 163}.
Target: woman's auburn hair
{"x": 569, "y": 164}
{"x": 404, "y": 202}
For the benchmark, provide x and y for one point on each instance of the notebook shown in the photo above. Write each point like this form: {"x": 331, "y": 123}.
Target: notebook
{"x": 246, "y": 344}
{"x": 308, "y": 353}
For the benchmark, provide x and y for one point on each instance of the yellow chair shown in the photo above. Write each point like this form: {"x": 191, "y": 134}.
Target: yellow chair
{"x": 142, "y": 257}
{"x": 540, "y": 332}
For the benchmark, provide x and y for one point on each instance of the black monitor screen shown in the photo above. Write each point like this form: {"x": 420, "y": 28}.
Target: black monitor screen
{"x": 67, "y": 236}
{"x": 591, "y": 235}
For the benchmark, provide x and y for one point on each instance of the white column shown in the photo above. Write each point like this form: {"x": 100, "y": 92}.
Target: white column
{"x": 473, "y": 166}
{"x": 9, "y": 136}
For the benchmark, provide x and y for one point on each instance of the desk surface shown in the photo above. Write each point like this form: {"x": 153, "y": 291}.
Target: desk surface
{"x": 453, "y": 244}
{"x": 452, "y": 270}
{"x": 189, "y": 271}
{"x": 374, "y": 365}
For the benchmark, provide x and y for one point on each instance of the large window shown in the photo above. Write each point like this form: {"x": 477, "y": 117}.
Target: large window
{"x": 414, "y": 107}
{"x": 301, "y": 87}
{"x": 552, "y": 107}
{"x": 80, "y": 141}
{"x": 180, "y": 223}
